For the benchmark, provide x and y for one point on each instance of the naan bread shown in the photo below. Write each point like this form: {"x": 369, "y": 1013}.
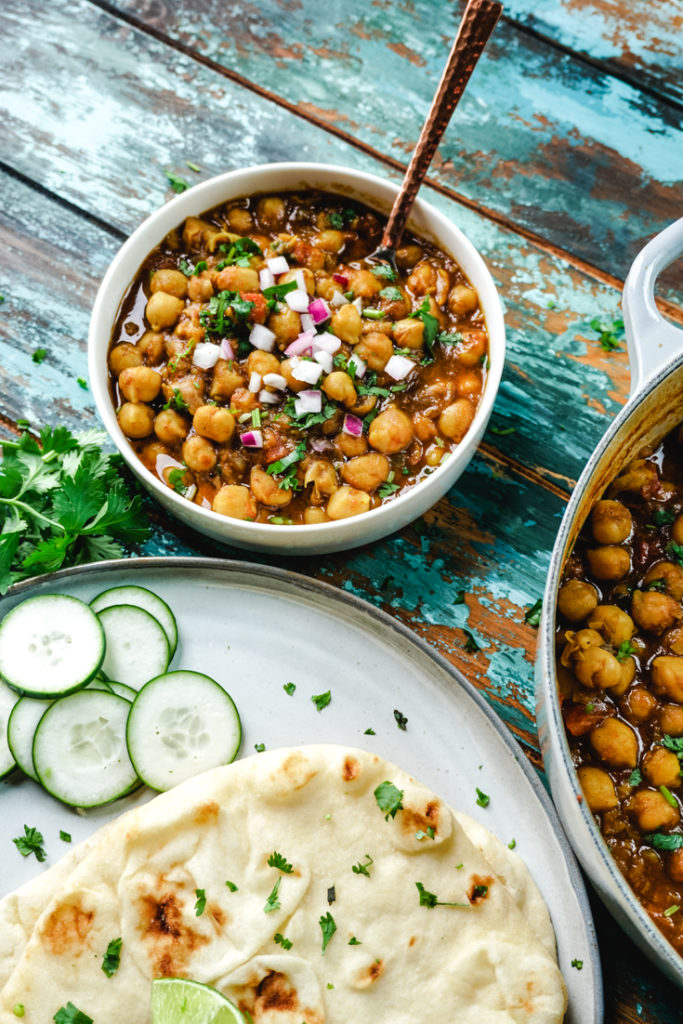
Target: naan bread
{"x": 138, "y": 878}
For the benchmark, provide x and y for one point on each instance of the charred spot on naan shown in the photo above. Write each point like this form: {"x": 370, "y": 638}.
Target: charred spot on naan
{"x": 291, "y": 775}
{"x": 67, "y": 928}
{"x": 424, "y": 823}
{"x": 368, "y": 975}
{"x": 170, "y": 942}
{"x": 274, "y": 998}
{"x": 480, "y": 888}
{"x": 351, "y": 768}
{"x": 206, "y": 814}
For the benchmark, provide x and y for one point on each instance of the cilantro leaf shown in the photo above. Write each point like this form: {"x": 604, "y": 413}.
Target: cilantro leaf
{"x": 273, "y": 903}
{"x": 663, "y": 516}
{"x": 672, "y": 841}
{"x": 321, "y": 700}
{"x": 328, "y": 928}
{"x": 177, "y": 184}
{"x": 31, "y": 842}
{"x": 276, "y": 860}
{"x": 401, "y": 720}
{"x": 232, "y": 887}
{"x": 353, "y": 941}
{"x": 430, "y": 899}
{"x": 289, "y": 688}
{"x": 112, "y": 958}
{"x": 200, "y": 904}
{"x": 282, "y": 941}
{"x": 483, "y": 799}
{"x": 361, "y": 868}
{"x": 65, "y": 836}
{"x": 450, "y": 338}
{"x": 431, "y": 324}
{"x": 384, "y": 270}
{"x": 532, "y": 616}
{"x": 635, "y": 778}
{"x": 389, "y": 799}
{"x": 391, "y": 294}
{"x": 676, "y": 552}
{"x": 39, "y": 355}
{"x": 625, "y": 650}
{"x": 70, "y": 1014}
{"x": 609, "y": 333}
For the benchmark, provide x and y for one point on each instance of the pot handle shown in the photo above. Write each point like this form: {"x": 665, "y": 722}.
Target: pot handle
{"x": 652, "y": 341}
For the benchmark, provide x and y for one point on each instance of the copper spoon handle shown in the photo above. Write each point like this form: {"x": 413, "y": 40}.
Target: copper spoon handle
{"x": 478, "y": 22}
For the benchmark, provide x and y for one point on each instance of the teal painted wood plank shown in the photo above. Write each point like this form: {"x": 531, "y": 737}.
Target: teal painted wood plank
{"x": 636, "y": 38}
{"x": 558, "y": 147}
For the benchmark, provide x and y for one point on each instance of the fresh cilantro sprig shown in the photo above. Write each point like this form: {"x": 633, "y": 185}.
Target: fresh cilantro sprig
{"x": 610, "y": 333}
{"x": 276, "y": 860}
{"x": 239, "y": 253}
{"x": 70, "y": 1014}
{"x": 431, "y": 900}
{"x": 112, "y": 958}
{"x": 431, "y": 324}
{"x": 389, "y": 799}
{"x": 273, "y": 903}
{"x": 660, "y": 841}
{"x": 287, "y": 466}
{"x": 321, "y": 700}
{"x": 361, "y": 868}
{"x": 328, "y": 928}
{"x": 200, "y": 903}
{"x": 177, "y": 184}
{"x": 385, "y": 271}
{"x": 31, "y": 842}
{"x": 63, "y": 501}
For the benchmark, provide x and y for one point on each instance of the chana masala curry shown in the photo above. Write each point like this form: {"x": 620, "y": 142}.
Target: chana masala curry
{"x": 620, "y": 671}
{"x": 264, "y": 365}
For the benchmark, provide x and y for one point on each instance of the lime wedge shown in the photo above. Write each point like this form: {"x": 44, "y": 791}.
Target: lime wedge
{"x": 179, "y": 1001}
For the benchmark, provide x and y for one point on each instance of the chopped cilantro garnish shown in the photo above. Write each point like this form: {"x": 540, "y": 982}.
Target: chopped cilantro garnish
{"x": 589, "y": 707}
{"x": 532, "y": 616}
{"x": 470, "y": 645}
{"x": 431, "y": 324}
{"x": 289, "y": 688}
{"x": 663, "y": 516}
{"x": 276, "y": 860}
{"x": 479, "y": 891}
{"x": 384, "y": 270}
{"x": 659, "y": 585}
{"x": 287, "y": 465}
{"x": 675, "y": 551}
{"x": 177, "y": 184}
{"x": 391, "y": 294}
{"x": 635, "y": 778}
{"x": 362, "y": 868}
{"x": 65, "y": 836}
{"x": 200, "y": 903}
{"x": 259, "y": 747}
{"x": 321, "y": 700}
{"x": 610, "y": 333}
{"x": 31, "y": 842}
{"x": 429, "y": 834}
{"x": 176, "y": 402}
{"x": 672, "y": 841}
{"x": 625, "y": 650}
{"x": 214, "y": 318}
{"x": 273, "y": 903}
{"x": 176, "y": 480}
{"x": 389, "y": 799}
{"x": 186, "y": 267}
{"x": 369, "y": 732}
{"x": 450, "y": 338}
{"x": 70, "y": 1014}
{"x": 578, "y": 964}
{"x": 430, "y": 899}
{"x": 112, "y": 958}
{"x": 39, "y": 355}
{"x": 282, "y": 941}
{"x": 483, "y": 800}
{"x": 328, "y": 928}
{"x": 239, "y": 253}
{"x": 232, "y": 887}
{"x": 512, "y": 844}
{"x": 353, "y": 941}
{"x": 401, "y": 720}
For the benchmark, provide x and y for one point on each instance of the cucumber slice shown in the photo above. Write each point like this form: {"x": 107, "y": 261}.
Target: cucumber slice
{"x": 110, "y": 686}
{"x": 142, "y": 598}
{"x": 79, "y": 749}
{"x": 8, "y": 699}
{"x": 21, "y": 728}
{"x": 137, "y": 648}
{"x": 180, "y": 724}
{"x": 50, "y": 645}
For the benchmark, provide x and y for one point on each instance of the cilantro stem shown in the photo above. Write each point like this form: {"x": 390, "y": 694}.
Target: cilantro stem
{"x": 32, "y": 511}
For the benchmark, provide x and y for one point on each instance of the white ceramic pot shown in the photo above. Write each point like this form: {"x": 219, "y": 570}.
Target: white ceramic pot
{"x": 377, "y": 193}
{"x": 655, "y": 407}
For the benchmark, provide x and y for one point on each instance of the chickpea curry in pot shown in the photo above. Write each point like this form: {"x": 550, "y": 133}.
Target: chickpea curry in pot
{"x": 620, "y": 672}
{"x": 265, "y": 366}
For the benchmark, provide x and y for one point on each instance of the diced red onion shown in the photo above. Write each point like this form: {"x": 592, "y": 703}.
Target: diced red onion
{"x": 297, "y": 300}
{"x": 307, "y": 322}
{"x": 358, "y": 303}
{"x": 358, "y": 364}
{"x": 321, "y": 444}
{"x": 338, "y": 300}
{"x": 352, "y": 425}
{"x": 261, "y": 337}
{"x": 306, "y": 371}
{"x": 341, "y": 279}
{"x": 277, "y": 265}
{"x": 252, "y": 439}
{"x": 319, "y": 310}
{"x": 301, "y": 346}
{"x": 327, "y": 342}
{"x": 266, "y": 278}
{"x": 275, "y": 380}
{"x": 399, "y": 367}
{"x": 206, "y": 355}
{"x": 255, "y": 382}
{"x": 269, "y": 397}
{"x": 307, "y": 401}
{"x": 227, "y": 351}
{"x": 325, "y": 359}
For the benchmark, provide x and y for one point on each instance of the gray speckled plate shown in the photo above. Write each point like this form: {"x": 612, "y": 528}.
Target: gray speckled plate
{"x": 255, "y": 629}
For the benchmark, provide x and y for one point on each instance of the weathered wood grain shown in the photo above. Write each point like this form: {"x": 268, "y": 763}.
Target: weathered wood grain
{"x": 635, "y": 38}
{"x": 557, "y": 147}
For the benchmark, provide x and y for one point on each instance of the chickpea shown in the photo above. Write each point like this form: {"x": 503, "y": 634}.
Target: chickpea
{"x": 226, "y": 379}
{"x": 363, "y": 284}
{"x": 339, "y": 387}
{"x": 323, "y": 476}
{"x": 136, "y": 419}
{"x": 271, "y": 211}
{"x": 237, "y": 279}
{"x": 235, "y": 501}
{"x": 123, "y": 357}
{"x": 671, "y": 574}
{"x": 346, "y": 502}
{"x": 408, "y": 333}
{"x": 425, "y": 429}
{"x": 316, "y": 515}
{"x": 151, "y": 346}
{"x": 611, "y": 522}
{"x": 576, "y": 600}
{"x": 173, "y": 282}
{"x": 667, "y": 677}
{"x": 408, "y": 256}
{"x": 266, "y": 490}
{"x": 200, "y": 287}
{"x": 330, "y": 241}
{"x": 215, "y": 423}
{"x": 456, "y": 419}
{"x": 673, "y": 640}
{"x": 240, "y": 220}
{"x": 462, "y": 300}
{"x": 468, "y": 384}
{"x": 628, "y": 674}
{"x": 472, "y": 349}
{"x": 140, "y": 384}
{"x": 170, "y": 426}
{"x": 298, "y": 272}
{"x": 190, "y": 389}
{"x": 292, "y": 383}
{"x": 615, "y": 625}
{"x": 637, "y": 478}
{"x": 262, "y": 362}
{"x": 615, "y": 743}
{"x": 376, "y": 350}
{"x": 434, "y": 455}
{"x": 677, "y": 530}
{"x": 198, "y": 454}
{"x": 422, "y": 281}
{"x": 346, "y": 324}
{"x": 661, "y": 767}
{"x": 598, "y": 789}
{"x": 609, "y": 562}
{"x": 163, "y": 310}
{"x": 285, "y": 325}
{"x": 671, "y": 719}
{"x": 391, "y": 431}
{"x": 653, "y": 611}
{"x": 364, "y": 405}
{"x": 652, "y": 810}
{"x": 349, "y": 445}
{"x": 325, "y": 286}
{"x": 366, "y": 472}
{"x": 243, "y": 401}
{"x": 640, "y": 704}
{"x": 193, "y": 231}
{"x": 596, "y": 667}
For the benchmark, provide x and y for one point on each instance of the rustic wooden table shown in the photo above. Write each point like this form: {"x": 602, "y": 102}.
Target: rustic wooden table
{"x": 560, "y": 163}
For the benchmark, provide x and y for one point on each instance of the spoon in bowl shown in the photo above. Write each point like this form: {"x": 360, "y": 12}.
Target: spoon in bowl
{"x": 478, "y": 22}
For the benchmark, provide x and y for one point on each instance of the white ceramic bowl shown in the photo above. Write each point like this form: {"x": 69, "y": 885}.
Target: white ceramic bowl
{"x": 654, "y": 409}
{"x": 375, "y": 192}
